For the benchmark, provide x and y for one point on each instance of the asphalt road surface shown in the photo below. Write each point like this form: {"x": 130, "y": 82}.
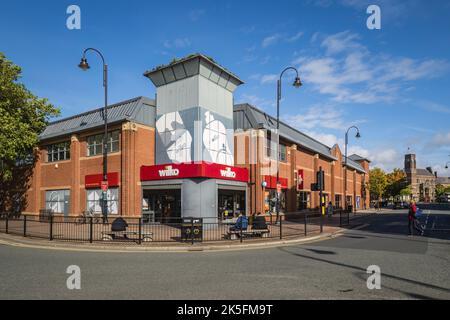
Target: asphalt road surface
{"x": 411, "y": 268}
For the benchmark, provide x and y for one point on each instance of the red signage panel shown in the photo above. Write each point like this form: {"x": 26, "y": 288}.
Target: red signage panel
{"x": 300, "y": 179}
{"x": 95, "y": 180}
{"x": 272, "y": 182}
{"x": 193, "y": 170}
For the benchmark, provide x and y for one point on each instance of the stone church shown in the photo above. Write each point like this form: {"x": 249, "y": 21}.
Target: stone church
{"x": 422, "y": 181}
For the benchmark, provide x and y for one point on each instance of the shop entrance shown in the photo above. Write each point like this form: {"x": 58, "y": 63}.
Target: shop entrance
{"x": 230, "y": 203}
{"x": 161, "y": 205}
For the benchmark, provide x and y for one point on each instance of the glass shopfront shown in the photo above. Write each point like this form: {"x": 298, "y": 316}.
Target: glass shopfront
{"x": 270, "y": 200}
{"x": 230, "y": 203}
{"x": 161, "y": 205}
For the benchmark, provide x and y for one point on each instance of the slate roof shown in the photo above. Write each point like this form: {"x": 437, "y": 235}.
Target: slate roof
{"x": 443, "y": 180}
{"x": 424, "y": 172}
{"x": 139, "y": 109}
{"x": 247, "y": 117}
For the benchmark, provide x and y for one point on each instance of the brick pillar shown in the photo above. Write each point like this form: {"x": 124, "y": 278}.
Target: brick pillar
{"x": 292, "y": 191}
{"x": 354, "y": 189}
{"x": 128, "y": 183}
{"x": 37, "y": 182}
{"x": 333, "y": 182}
{"x": 75, "y": 205}
{"x": 315, "y": 194}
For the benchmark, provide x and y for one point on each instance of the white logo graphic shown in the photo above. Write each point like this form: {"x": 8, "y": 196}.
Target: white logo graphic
{"x": 169, "y": 172}
{"x": 74, "y": 20}
{"x": 374, "y": 280}
{"x": 175, "y": 137}
{"x": 74, "y": 280}
{"x": 215, "y": 141}
{"x": 374, "y": 20}
{"x": 227, "y": 173}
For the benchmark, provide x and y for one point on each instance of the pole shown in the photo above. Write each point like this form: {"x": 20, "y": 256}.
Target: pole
{"x": 278, "y": 146}
{"x": 345, "y": 172}
{"x": 140, "y": 231}
{"x": 6, "y": 226}
{"x": 91, "y": 230}
{"x": 306, "y": 224}
{"x": 105, "y": 143}
{"x": 24, "y": 226}
{"x": 51, "y": 228}
{"x": 320, "y": 199}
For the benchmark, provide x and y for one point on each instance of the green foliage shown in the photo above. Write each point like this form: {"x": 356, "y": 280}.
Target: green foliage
{"x": 396, "y": 182}
{"x": 406, "y": 191}
{"x": 377, "y": 182}
{"x": 23, "y": 116}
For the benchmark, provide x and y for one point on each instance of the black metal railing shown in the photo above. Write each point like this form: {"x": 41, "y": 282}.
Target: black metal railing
{"x": 168, "y": 230}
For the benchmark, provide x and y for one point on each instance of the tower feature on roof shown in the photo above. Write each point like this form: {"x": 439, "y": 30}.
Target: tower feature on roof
{"x": 194, "y": 111}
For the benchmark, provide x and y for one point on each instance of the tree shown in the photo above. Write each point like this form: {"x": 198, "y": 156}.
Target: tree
{"x": 396, "y": 181}
{"x": 377, "y": 183}
{"x": 406, "y": 191}
{"x": 23, "y": 116}
{"x": 440, "y": 190}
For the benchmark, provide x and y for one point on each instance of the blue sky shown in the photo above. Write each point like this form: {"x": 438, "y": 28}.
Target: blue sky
{"x": 392, "y": 83}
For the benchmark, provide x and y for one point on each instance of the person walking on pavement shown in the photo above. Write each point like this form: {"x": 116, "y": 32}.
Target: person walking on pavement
{"x": 412, "y": 219}
{"x": 330, "y": 209}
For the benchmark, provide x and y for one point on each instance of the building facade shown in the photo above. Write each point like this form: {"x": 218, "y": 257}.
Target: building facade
{"x": 422, "y": 181}
{"x": 189, "y": 152}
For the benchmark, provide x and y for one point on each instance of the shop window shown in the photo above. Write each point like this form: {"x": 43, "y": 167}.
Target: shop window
{"x": 349, "y": 200}
{"x": 303, "y": 200}
{"x": 58, "y": 152}
{"x": 95, "y": 143}
{"x": 94, "y": 202}
{"x": 337, "y": 201}
{"x": 57, "y": 201}
{"x": 271, "y": 149}
{"x": 270, "y": 200}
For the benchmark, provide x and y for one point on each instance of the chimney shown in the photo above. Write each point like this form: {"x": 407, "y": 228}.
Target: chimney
{"x": 435, "y": 174}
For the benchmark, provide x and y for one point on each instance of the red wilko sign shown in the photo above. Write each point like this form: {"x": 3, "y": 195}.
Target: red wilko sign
{"x": 193, "y": 170}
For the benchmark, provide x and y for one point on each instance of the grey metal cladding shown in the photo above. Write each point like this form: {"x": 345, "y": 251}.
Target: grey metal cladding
{"x": 140, "y": 110}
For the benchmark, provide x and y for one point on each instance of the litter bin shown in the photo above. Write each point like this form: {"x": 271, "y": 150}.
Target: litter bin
{"x": 191, "y": 229}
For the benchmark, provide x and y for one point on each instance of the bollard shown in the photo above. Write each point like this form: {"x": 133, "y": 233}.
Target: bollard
{"x": 140, "y": 231}
{"x": 192, "y": 231}
{"x": 6, "y": 226}
{"x": 24, "y": 226}
{"x": 281, "y": 228}
{"x": 51, "y": 228}
{"x": 340, "y": 218}
{"x": 91, "y": 227}
{"x": 306, "y": 224}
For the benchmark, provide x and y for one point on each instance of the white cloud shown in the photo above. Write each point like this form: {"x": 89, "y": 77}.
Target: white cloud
{"x": 270, "y": 40}
{"x": 295, "y": 37}
{"x": 349, "y": 73}
{"x": 177, "y": 43}
{"x": 255, "y": 100}
{"x": 441, "y": 139}
{"x": 277, "y": 37}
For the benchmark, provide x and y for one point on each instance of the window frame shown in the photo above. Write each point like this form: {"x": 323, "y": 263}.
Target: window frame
{"x": 97, "y": 202}
{"x": 55, "y": 150}
{"x": 95, "y": 141}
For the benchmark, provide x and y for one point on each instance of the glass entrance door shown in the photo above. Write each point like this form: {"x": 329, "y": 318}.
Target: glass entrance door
{"x": 230, "y": 203}
{"x": 161, "y": 205}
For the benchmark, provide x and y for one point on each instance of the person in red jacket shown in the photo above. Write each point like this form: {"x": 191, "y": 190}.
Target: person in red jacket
{"x": 412, "y": 219}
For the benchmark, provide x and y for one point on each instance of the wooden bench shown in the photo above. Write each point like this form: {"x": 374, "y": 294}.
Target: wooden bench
{"x": 235, "y": 234}
{"x": 112, "y": 235}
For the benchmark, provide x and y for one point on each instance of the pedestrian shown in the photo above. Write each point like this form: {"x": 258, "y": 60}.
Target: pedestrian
{"x": 413, "y": 223}
{"x": 330, "y": 209}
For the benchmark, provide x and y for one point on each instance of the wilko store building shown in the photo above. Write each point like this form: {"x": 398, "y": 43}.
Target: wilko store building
{"x": 190, "y": 152}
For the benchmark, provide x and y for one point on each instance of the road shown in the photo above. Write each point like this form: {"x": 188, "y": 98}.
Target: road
{"x": 411, "y": 268}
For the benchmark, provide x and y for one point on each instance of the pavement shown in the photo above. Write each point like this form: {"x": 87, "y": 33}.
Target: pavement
{"x": 333, "y": 268}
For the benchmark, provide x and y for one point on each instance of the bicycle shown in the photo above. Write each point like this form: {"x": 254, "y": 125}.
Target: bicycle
{"x": 86, "y": 215}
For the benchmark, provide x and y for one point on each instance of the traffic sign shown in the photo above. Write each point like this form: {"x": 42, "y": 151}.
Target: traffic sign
{"x": 104, "y": 186}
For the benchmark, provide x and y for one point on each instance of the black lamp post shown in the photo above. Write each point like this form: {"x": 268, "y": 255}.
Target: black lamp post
{"x": 297, "y": 83}
{"x": 345, "y": 172}
{"x": 85, "y": 66}
{"x": 446, "y": 165}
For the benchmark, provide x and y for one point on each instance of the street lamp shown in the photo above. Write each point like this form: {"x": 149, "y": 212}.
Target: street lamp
{"x": 297, "y": 84}
{"x": 85, "y": 66}
{"x": 446, "y": 165}
{"x": 345, "y": 172}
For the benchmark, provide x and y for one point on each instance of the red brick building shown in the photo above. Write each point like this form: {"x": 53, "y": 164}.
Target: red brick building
{"x": 190, "y": 152}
